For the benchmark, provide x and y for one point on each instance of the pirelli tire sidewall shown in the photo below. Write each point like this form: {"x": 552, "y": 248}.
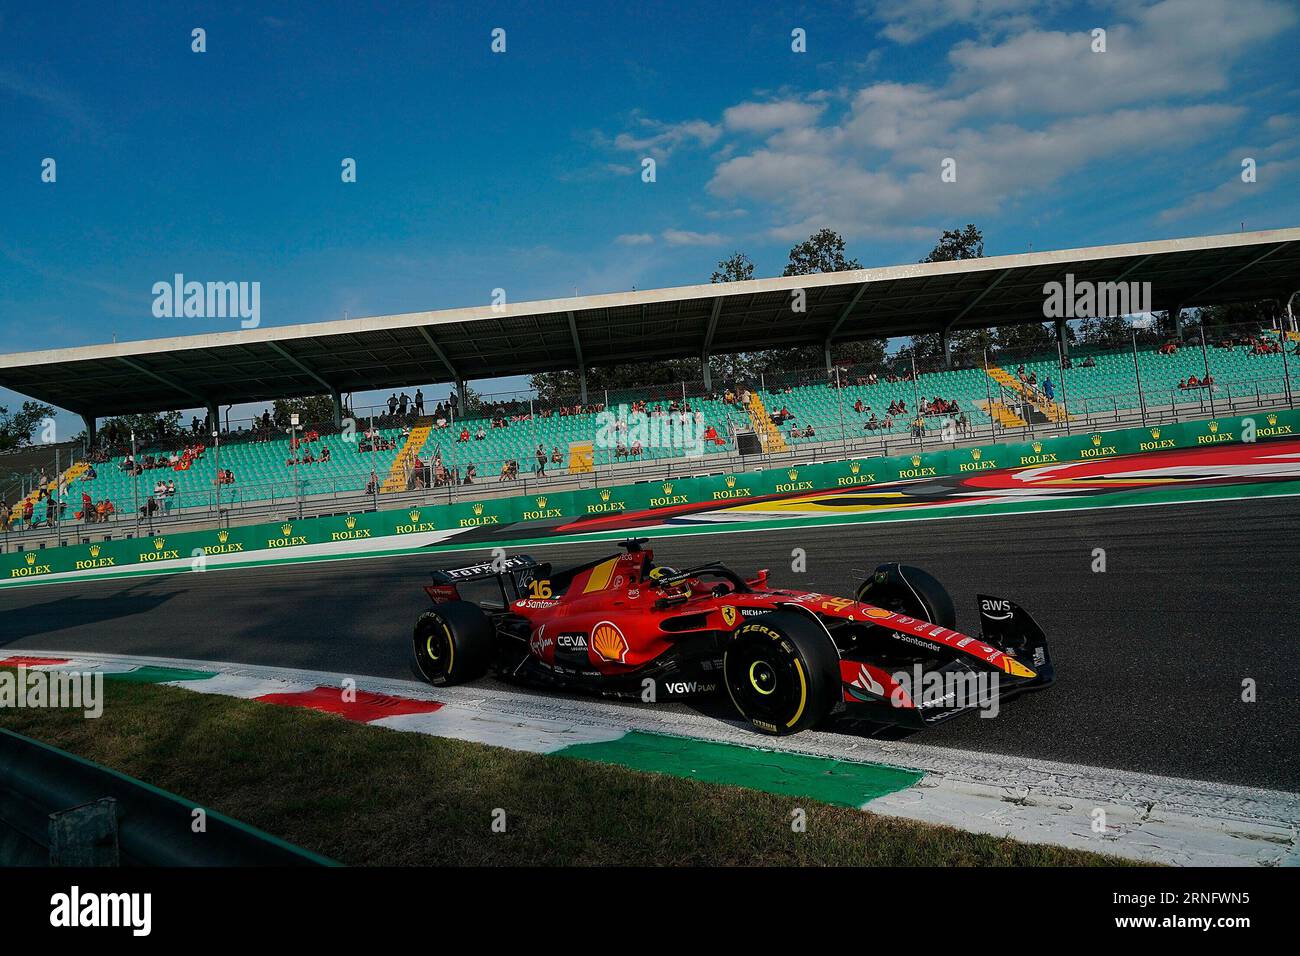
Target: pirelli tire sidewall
{"x": 452, "y": 643}
{"x": 782, "y": 672}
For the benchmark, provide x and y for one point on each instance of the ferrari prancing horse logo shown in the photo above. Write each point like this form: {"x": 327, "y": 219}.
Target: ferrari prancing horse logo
{"x": 729, "y": 616}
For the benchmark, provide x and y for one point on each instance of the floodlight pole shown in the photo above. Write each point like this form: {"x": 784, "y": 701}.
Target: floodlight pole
{"x": 216, "y": 441}
{"x": 135, "y": 484}
{"x": 294, "y": 447}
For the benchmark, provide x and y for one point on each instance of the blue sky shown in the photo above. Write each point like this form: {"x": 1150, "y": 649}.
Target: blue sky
{"x": 521, "y": 170}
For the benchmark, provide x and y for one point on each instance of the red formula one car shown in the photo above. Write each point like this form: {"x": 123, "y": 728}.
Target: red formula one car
{"x": 624, "y": 626}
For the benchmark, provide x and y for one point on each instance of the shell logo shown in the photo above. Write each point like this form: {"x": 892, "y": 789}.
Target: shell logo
{"x": 608, "y": 641}
{"x": 94, "y": 550}
{"x": 976, "y": 453}
{"x": 1096, "y": 440}
{"x": 350, "y": 521}
{"x": 478, "y": 508}
{"x": 878, "y": 613}
{"x": 286, "y": 529}
{"x": 916, "y": 461}
{"x": 223, "y": 536}
{"x": 604, "y": 494}
{"x": 158, "y": 543}
{"x": 414, "y": 515}
{"x": 731, "y": 481}
{"x": 1155, "y": 433}
{"x": 30, "y": 558}
{"x": 668, "y": 487}
{"x": 855, "y": 467}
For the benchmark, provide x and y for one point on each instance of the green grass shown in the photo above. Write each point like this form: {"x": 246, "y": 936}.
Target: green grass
{"x": 368, "y": 796}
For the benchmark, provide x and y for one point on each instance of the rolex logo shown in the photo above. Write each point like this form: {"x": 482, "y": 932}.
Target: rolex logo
{"x": 604, "y": 494}
{"x": 158, "y": 543}
{"x": 976, "y": 453}
{"x": 731, "y": 481}
{"x": 541, "y": 501}
{"x": 414, "y": 513}
{"x": 1038, "y": 446}
{"x": 793, "y": 473}
{"x": 286, "y": 529}
{"x": 1214, "y": 427}
{"x": 1096, "y": 440}
{"x": 1155, "y": 433}
{"x": 855, "y": 467}
{"x": 1272, "y": 419}
{"x": 222, "y": 536}
{"x": 30, "y": 557}
{"x": 478, "y": 508}
{"x": 916, "y": 461}
{"x": 94, "y": 550}
{"x": 668, "y": 487}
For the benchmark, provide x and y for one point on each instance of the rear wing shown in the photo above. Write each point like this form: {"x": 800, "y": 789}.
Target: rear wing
{"x": 488, "y": 569}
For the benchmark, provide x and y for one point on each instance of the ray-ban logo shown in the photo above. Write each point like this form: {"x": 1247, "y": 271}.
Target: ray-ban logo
{"x": 180, "y": 299}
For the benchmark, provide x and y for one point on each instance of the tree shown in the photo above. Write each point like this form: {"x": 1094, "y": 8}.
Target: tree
{"x": 956, "y": 244}
{"x": 147, "y": 426}
{"x": 738, "y": 267}
{"x": 311, "y": 409}
{"x": 1109, "y": 331}
{"x": 823, "y": 251}
{"x": 16, "y": 429}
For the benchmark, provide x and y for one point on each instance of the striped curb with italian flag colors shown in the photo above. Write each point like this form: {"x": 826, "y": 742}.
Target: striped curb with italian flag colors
{"x": 1145, "y": 817}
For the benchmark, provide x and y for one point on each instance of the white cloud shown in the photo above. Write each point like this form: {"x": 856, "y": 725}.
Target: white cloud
{"x": 768, "y": 117}
{"x": 635, "y": 239}
{"x": 657, "y": 139}
{"x": 681, "y": 237}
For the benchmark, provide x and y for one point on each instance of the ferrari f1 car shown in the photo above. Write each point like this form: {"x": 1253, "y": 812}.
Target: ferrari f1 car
{"x": 623, "y": 626}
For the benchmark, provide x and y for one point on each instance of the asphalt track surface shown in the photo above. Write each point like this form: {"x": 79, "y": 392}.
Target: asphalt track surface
{"x": 1151, "y": 655}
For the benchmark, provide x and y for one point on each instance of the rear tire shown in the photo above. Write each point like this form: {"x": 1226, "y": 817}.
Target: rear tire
{"x": 452, "y": 643}
{"x": 911, "y": 591}
{"x": 782, "y": 672}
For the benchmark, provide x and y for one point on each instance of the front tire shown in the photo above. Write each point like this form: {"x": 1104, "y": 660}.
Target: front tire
{"x": 452, "y": 643}
{"x": 910, "y": 591}
{"x": 782, "y": 672}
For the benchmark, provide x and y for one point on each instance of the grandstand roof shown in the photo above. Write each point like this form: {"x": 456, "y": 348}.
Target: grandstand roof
{"x": 480, "y": 342}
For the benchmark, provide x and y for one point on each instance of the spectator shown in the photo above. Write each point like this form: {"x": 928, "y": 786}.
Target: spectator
{"x": 540, "y": 470}
{"x": 1048, "y": 389}
{"x": 392, "y": 403}
{"x": 419, "y": 403}
{"x": 403, "y": 401}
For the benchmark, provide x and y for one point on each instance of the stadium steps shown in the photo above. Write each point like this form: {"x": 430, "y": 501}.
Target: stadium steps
{"x": 69, "y": 475}
{"x": 767, "y": 432}
{"x": 1054, "y": 411}
{"x": 396, "y": 480}
{"x": 1001, "y": 413}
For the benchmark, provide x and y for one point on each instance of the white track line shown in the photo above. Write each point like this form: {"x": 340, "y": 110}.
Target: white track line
{"x": 1147, "y": 817}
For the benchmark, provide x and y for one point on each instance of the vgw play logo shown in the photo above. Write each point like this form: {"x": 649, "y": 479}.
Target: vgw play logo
{"x": 208, "y": 300}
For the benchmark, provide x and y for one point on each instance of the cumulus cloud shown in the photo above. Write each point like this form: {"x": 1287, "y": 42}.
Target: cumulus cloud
{"x": 682, "y": 237}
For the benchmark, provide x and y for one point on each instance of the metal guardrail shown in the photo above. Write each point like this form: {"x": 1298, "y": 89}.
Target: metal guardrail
{"x": 56, "y": 807}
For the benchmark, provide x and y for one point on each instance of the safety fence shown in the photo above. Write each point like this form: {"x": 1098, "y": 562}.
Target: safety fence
{"x": 260, "y": 541}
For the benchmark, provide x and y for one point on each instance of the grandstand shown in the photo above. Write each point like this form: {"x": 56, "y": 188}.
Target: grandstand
{"x": 811, "y": 414}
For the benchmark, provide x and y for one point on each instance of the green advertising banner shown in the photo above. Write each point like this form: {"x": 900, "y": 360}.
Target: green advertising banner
{"x": 665, "y": 494}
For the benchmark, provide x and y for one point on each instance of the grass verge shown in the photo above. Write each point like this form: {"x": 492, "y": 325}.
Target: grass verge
{"x": 371, "y": 796}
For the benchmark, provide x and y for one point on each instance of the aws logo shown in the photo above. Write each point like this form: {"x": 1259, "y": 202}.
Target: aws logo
{"x": 605, "y": 505}
{"x": 542, "y": 511}
{"x": 158, "y": 553}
